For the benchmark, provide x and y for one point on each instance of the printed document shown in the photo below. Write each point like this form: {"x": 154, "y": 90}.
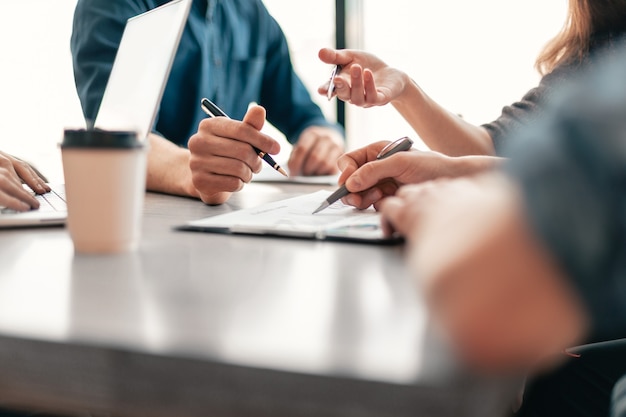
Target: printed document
{"x": 293, "y": 218}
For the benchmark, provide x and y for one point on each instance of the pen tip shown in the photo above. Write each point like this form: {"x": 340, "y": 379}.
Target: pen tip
{"x": 282, "y": 171}
{"x": 321, "y": 207}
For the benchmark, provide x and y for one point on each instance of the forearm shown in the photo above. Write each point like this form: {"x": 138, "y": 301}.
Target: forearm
{"x": 168, "y": 168}
{"x": 502, "y": 296}
{"x": 440, "y": 129}
{"x": 463, "y": 166}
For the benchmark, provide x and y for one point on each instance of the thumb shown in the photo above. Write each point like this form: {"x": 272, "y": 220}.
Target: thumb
{"x": 335, "y": 56}
{"x": 255, "y": 117}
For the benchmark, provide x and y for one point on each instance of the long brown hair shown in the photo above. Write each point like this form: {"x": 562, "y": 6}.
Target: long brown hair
{"x": 585, "y": 18}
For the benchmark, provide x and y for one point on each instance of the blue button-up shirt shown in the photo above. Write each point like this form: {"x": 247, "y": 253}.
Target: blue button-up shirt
{"x": 231, "y": 51}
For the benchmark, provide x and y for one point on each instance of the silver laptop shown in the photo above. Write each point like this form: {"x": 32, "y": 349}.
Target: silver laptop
{"x": 132, "y": 95}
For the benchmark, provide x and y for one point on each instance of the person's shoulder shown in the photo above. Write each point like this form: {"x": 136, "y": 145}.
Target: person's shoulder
{"x": 252, "y": 8}
{"x": 117, "y": 8}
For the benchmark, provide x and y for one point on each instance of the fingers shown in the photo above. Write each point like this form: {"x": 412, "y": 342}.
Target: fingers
{"x": 222, "y": 155}
{"x": 26, "y": 172}
{"x": 372, "y": 96}
{"x": 208, "y": 148}
{"x": 372, "y": 196}
{"x": 223, "y": 178}
{"x": 351, "y": 161}
{"x": 323, "y": 89}
{"x": 357, "y": 91}
{"x": 298, "y": 155}
{"x": 400, "y": 214}
{"x": 359, "y": 88}
{"x": 332, "y": 56}
{"x": 372, "y": 173}
{"x": 335, "y": 57}
{"x": 214, "y": 130}
{"x": 362, "y": 91}
{"x": 13, "y": 195}
{"x": 220, "y": 166}
{"x": 391, "y": 209}
{"x": 245, "y": 132}
{"x": 322, "y": 159}
{"x": 316, "y": 152}
{"x": 363, "y": 200}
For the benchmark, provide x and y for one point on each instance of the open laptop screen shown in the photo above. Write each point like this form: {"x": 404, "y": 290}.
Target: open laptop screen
{"x": 141, "y": 68}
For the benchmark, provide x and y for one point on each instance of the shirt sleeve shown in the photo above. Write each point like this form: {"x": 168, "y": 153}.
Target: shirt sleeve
{"x": 97, "y": 30}
{"x": 571, "y": 166}
{"x": 289, "y": 104}
{"x": 526, "y": 111}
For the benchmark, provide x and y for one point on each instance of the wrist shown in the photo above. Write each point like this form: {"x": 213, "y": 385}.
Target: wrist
{"x": 409, "y": 92}
{"x": 461, "y": 166}
{"x": 168, "y": 168}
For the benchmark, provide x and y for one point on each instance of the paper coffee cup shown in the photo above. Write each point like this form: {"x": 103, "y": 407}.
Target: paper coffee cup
{"x": 105, "y": 174}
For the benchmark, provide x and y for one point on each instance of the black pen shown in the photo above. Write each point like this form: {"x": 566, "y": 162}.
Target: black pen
{"x": 212, "y": 110}
{"x": 402, "y": 144}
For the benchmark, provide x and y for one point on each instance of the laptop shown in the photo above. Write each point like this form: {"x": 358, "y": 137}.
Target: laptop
{"x": 131, "y": 98}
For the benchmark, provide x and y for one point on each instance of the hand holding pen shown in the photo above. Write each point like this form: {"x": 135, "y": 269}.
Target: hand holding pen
{"x": 365, "y": 159}
{"x": 222, "y": 158}
{"x": 362, "y": 79}
{"x": 212, "y": 110}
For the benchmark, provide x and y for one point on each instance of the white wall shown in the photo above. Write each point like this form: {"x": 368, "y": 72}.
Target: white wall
{"x": 37, "y": 95}
{"x": 472, "y": 56}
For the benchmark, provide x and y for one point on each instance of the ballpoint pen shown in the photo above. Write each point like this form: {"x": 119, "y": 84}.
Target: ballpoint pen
{"x": 331, "y": 83}
{"x": 212, "y": 110}
{"x": 402, "y": 144}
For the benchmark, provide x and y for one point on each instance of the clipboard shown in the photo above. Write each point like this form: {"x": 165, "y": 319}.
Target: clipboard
{"x": 293, "y": 218}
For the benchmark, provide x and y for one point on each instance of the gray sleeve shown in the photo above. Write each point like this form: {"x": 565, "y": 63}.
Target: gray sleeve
{"x": 526, "y": 111}
{"x": 571, "y": 166}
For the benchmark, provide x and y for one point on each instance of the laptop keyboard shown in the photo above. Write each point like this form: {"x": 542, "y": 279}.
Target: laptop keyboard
{"x": 52, "y": 201}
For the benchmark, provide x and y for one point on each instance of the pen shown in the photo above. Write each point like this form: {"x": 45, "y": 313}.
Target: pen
{"x": 331, "y": 83}
{"x": 402, "y": 144}
{"x": 212, "y": 110}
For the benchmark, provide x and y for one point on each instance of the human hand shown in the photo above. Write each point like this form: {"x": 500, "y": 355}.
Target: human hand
{"x": 369, "y": 179}
{"x": 12, "y": 195}
{"x": 489, "y": 283}
{"x": 221, "y": 156}
{"x": 364, "y": 80}
{"x": 316, "y": 152}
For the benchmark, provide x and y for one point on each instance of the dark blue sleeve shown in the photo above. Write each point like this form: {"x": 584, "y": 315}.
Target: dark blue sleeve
{"x": 572, "y": 169}
{"x": 97, "y": 31}
{"x": 288, "y": 103}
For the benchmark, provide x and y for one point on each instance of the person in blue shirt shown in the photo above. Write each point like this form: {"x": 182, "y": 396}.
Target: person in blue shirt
{"x": 232, "y": 52}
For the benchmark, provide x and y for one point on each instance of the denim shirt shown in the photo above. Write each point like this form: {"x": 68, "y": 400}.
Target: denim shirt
{"x": 231, "y": 51}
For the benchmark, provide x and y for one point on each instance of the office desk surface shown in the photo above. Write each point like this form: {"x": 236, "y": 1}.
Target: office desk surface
{"x": 204, "y": 324}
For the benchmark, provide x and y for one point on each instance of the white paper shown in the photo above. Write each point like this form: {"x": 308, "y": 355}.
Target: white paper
{"x": 269, "y": 174}
{"x": 293, "y": 217}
